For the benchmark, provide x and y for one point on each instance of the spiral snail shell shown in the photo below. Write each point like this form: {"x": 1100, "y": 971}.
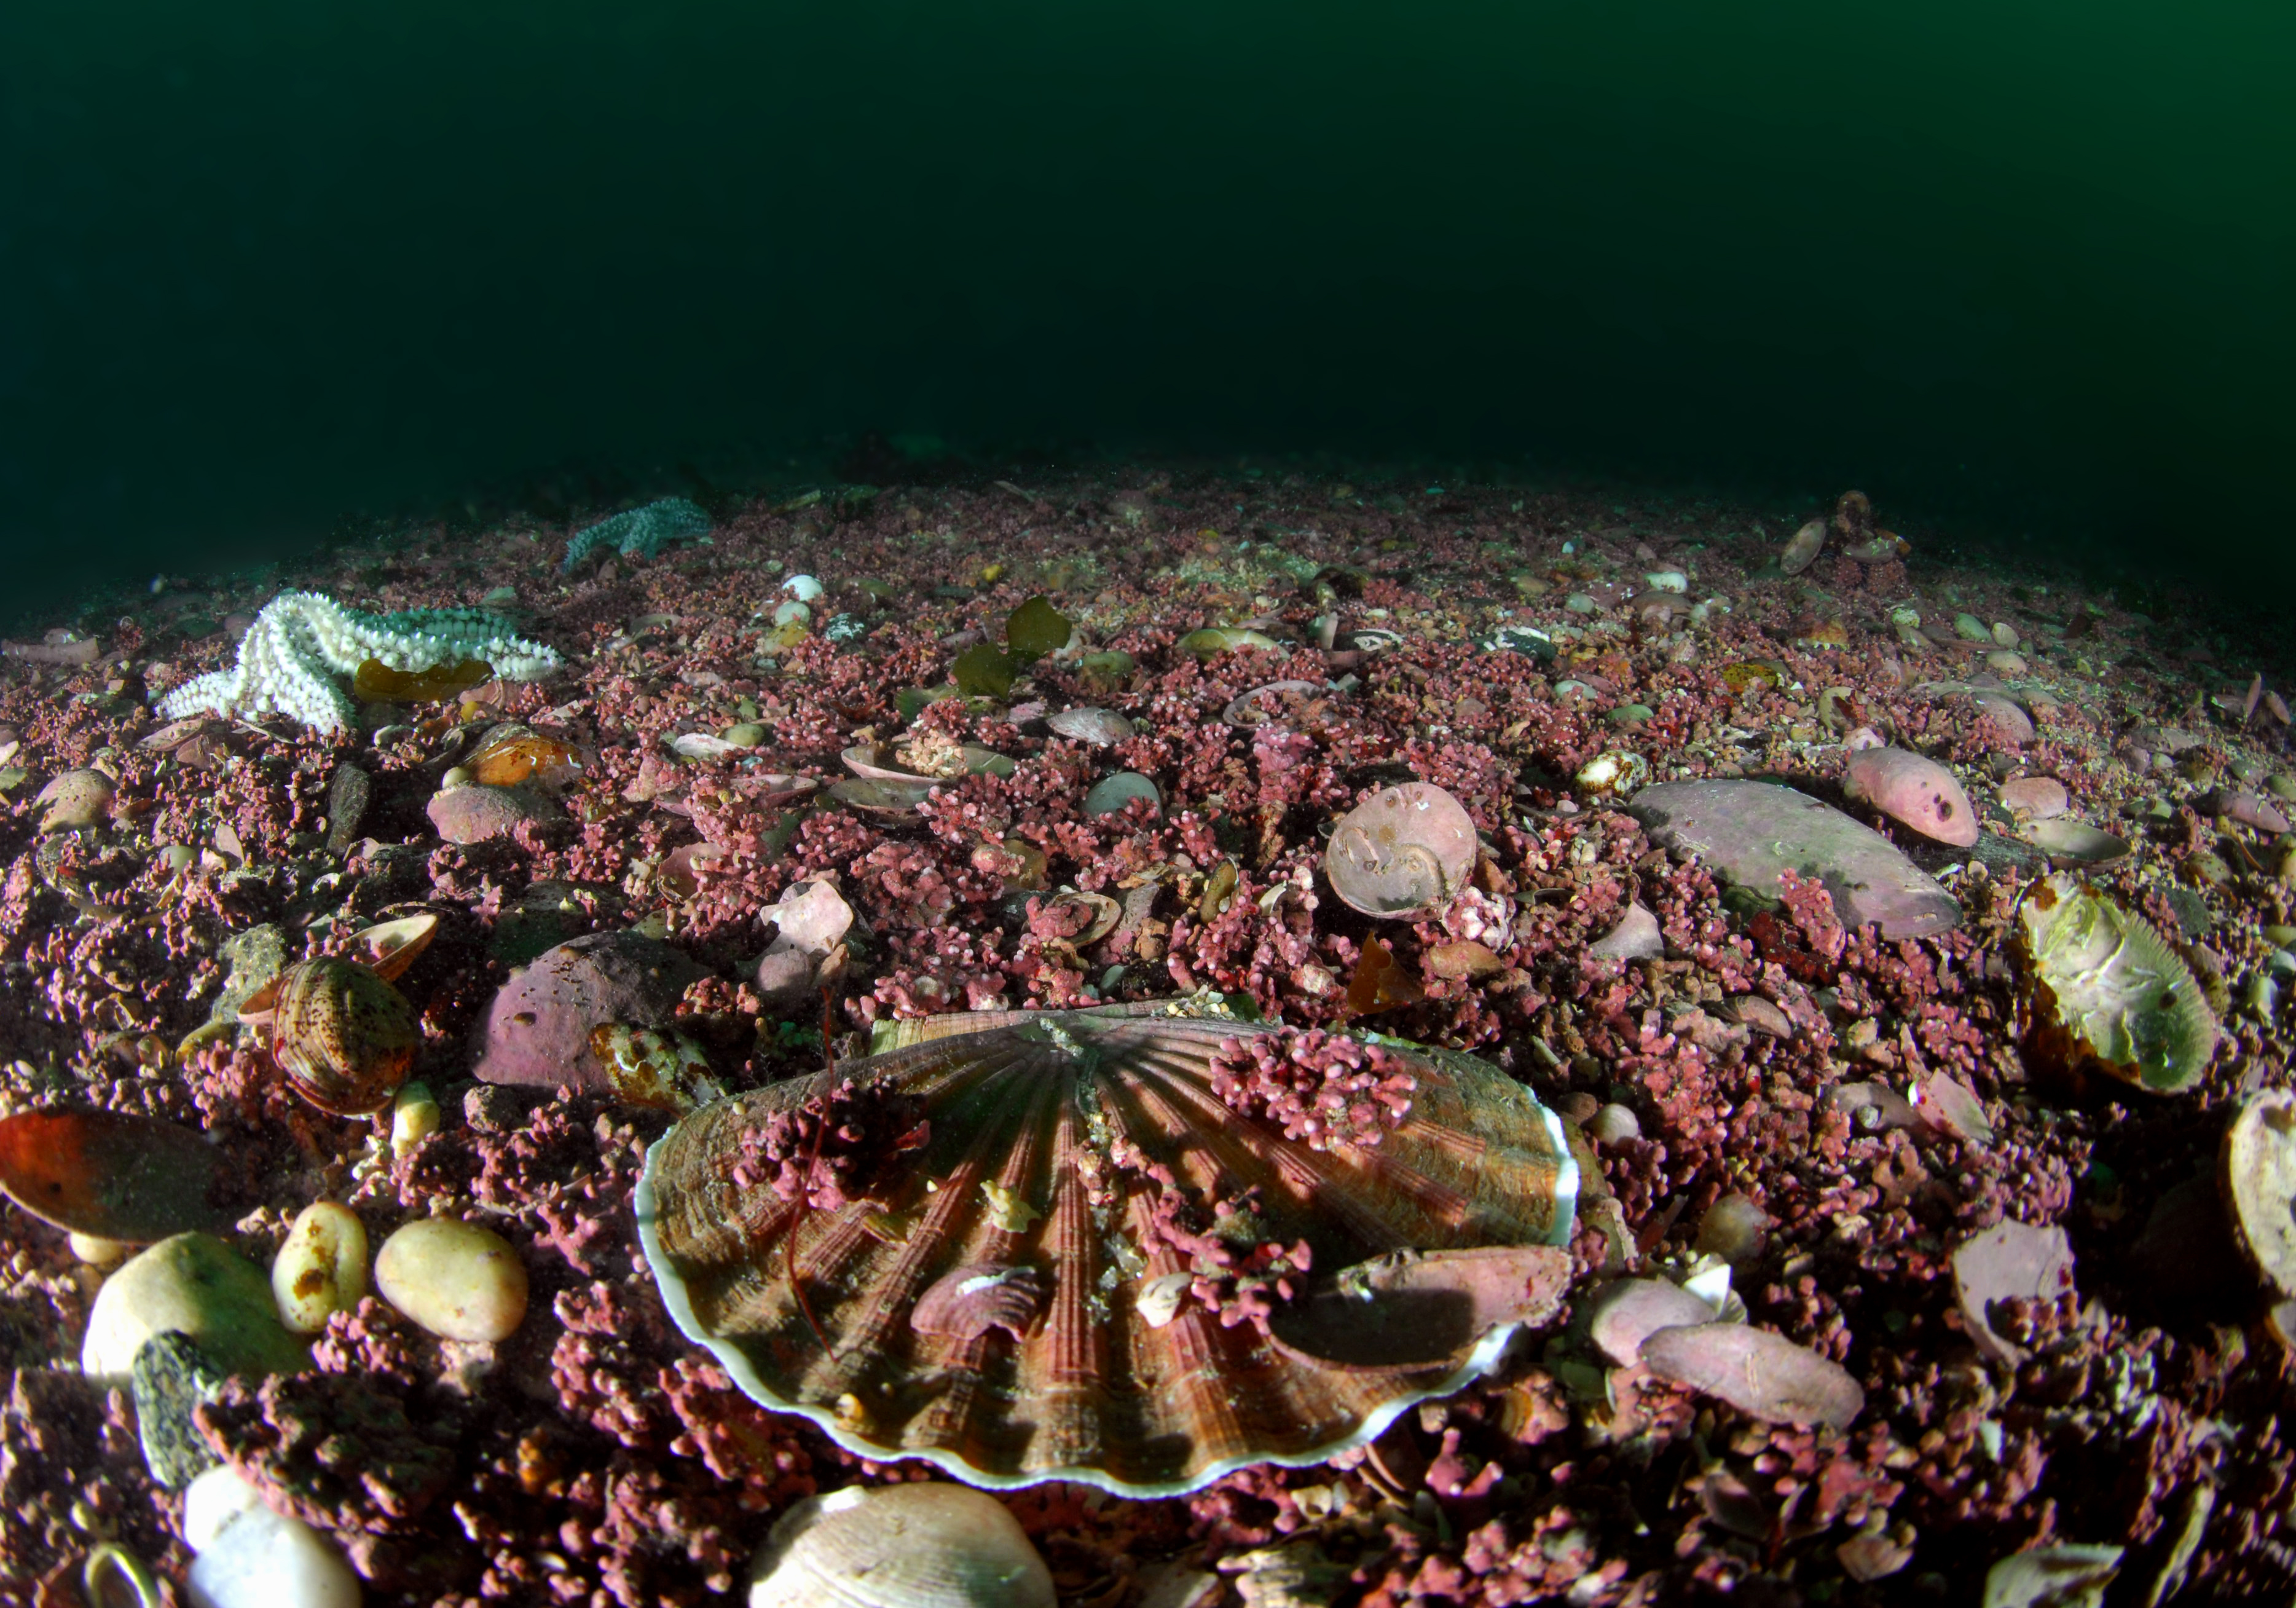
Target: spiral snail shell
{"x": 343, "y": 1036}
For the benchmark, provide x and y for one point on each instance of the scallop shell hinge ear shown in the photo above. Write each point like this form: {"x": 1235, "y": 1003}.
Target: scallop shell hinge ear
{"x": 1137, "y": 1247}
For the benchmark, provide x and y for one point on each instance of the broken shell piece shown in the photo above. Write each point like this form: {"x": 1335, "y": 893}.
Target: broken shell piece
{"x": 967, "y": 1301}
{"x": 1401, "y": 850}
{"x": 811, "y": 920}
{"x": 75, "y": 799}
{"x": 891, "y": 799}
{"x": 2034, "y": 798}
{"x": 660, "y": 1068}
{"x": 136, "y": 1180}
{"x": 2009, "y": 1260}
{"x": 2102, "y": 988}
{"x": 2052, "y": 1577}
{"x": 389, "y": 948}
{"x": 929, "y": 1546}
{"x": 1092, "y": 727}
{"x": 513, "y": 756}
{"x": 1099, "y": 913}
{"x": 1111, "y": 793}
{"x": 1630, "y": 1310}
{"x": 1636, "y": 937}
{"x": 2074, "y": 841}
{"x": 2258, "y": 1175}
{"x": 1764, "y": 1376}
{"x": 1613, "y": 775}
{"x": 1200, "y": 1163}
{"x": 1801, "y": 549}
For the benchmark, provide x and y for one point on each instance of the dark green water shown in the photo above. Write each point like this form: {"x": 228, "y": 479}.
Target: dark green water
{"x": 2018, "y": 267}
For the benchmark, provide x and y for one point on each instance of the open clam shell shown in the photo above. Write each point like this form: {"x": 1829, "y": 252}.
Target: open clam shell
{"x": 1176, "y": 1211}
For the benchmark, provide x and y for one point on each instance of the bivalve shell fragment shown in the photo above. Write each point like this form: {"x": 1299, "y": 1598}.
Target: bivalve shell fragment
{"x": 2103, "y": 989}
{"x": 1401, "y": 850}
{"x": 1136, "y": 1247}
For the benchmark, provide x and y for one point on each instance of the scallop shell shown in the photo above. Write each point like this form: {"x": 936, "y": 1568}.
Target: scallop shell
{"x": 1215, "y": 1256}
{"x": 1401, "y": 850}
{"x": 345, "y": 1038}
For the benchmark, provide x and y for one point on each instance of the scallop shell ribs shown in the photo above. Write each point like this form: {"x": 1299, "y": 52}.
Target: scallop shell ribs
{"x": 1137, "y": 1246}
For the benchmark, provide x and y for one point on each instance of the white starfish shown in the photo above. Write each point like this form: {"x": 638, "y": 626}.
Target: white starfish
{"x": 302, "y": 640}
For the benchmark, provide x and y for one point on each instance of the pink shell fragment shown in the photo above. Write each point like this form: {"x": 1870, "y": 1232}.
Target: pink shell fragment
{"x": 2010, "y": 723}
{"x": 2009, "y": 1260}
{"x": 1633, "y": 1310}
{"x": 1752, "y": 833}
{"x": 1764, "y": 1376}
{"x": 1416, "y": 1309}
{"x": 537, "y": 1030}
{"x": 479, "y": 814}
{"x": 1916, "y": 791}
{"x": 2034, "y": 798}
{"x": 1636, "y": 937}
{"x": 966, "y": 1302}
{"x": 1401, "y": 850}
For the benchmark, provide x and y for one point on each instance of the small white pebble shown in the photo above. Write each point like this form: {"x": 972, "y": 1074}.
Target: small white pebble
{"x": 1614, "y": 1124}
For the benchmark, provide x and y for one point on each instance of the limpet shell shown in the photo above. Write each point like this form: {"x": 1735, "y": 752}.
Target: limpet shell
{"x": 344, "y": 1037}
{"x": 1401, "y": 850}
{"x": 1250, "y": 1244}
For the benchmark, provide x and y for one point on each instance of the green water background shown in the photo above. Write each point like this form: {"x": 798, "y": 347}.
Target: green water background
{"x": 2016, "y": 269}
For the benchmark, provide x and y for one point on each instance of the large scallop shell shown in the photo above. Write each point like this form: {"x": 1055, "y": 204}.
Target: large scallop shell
{"x": 1221, "y": 1242}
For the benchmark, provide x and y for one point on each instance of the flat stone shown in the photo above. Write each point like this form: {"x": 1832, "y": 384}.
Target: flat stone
{"x": 1750, "y": 833}
{"x": 171, "y": 1377}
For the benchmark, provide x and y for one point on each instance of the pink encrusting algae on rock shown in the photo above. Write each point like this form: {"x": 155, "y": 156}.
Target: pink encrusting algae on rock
{"x": 1800, "y": 1024}
{"x": 1917, "y": 792}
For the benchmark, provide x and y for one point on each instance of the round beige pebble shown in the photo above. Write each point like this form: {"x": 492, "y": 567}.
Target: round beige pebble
{"x": 202, "y": 1286}
{"x": 321, "y": 1267}
{"x": 457, "y": 1279}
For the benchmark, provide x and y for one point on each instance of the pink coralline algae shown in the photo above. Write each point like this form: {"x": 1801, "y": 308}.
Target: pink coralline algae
{"x": 1822, "y": 1027}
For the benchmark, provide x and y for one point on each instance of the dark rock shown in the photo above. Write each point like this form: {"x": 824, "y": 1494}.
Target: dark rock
{"x": 171, "y": 1377}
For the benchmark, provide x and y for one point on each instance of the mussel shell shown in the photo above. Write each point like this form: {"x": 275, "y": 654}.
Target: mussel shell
{"x": 1052, "y": 1142}
{"x": 345, "y": 1038}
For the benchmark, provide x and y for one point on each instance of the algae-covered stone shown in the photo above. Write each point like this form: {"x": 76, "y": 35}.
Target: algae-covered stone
{"x": 195, "y": 1284}
{"x": 1752, "y": 832}
{"x": 171, "y": 1376}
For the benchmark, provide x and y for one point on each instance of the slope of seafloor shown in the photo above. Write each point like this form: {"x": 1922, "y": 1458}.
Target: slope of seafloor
{"x": 596, "y": 1457}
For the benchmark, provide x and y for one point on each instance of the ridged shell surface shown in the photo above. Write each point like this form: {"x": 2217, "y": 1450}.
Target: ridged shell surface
{"x": 1153, "y": 1243}
{"x": 344, "y": 1035}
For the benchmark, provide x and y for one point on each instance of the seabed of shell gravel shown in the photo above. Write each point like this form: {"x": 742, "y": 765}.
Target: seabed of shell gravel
{"x": 596, "y": 1457}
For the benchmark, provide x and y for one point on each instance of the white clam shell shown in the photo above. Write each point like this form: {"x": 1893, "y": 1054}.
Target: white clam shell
{"x": 928, "y": 1546}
